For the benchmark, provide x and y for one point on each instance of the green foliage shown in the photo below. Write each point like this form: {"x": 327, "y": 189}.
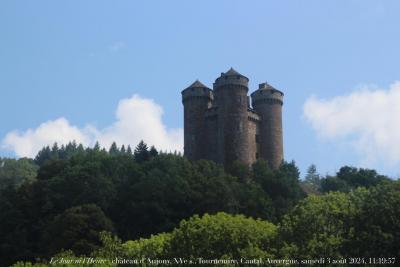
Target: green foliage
{"x": 223, "y": 236}
{"x": 113, "y": 149}
{"x": 153, "y": 152}
{"x": 313, "y": 178}
{"x": 29, "y": 264}
{"x": 12, "y": 240}
{"x": 80, "y": 192}
{"x": 13, "y": 173}
{"x": 65, "y": 152}
{"x": 129, "y": 151}
{"x": 71, "y": 150}
{"x": 141, "y": 153}
{"x": 155, "y": 247}
{"x": 240, "y": 170}
{"x": 317, "y": 227}
{"x": 377, "y": 222}
{"x": 111, "y": 246}
{"x": 43, "y": 155}
{"x": 282, "y": 186}
{"x": 170, "y": 188}
{"x": 140, "y": 199}
{"x": 334, "y": 184}
{"x": 349, "y": 178}
{"x": 219, "y": 236}
{"x": 78, "y": 229}
{"x": 333, "y": 225}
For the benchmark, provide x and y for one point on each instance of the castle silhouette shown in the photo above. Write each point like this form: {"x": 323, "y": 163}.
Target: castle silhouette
{"x": 220, "y": 124}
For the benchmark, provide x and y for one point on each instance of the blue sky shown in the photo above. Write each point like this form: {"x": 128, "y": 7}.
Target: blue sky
{"x": 79, "y": 61}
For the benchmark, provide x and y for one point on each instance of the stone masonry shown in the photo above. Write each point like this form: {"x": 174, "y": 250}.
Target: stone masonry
{"x": 222, "y": 126}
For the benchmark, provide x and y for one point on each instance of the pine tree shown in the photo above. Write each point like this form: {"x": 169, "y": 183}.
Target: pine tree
{"x": 43, "y": 156}
{"x": 55, "y": 151}
{"x": 80, "y": 149}
{"x": 114, "y": 151}
{"x": 129, "y": 151}
{"x": 312, "y": 177}
{"x": 141, "y": 153}
{"x": 123, "y": 150}
{"x": 96, "y": 146}
{"x": 153, "y": 152}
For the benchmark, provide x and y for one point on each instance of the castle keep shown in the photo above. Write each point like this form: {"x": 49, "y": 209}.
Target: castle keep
{"x": 221, "y": 125}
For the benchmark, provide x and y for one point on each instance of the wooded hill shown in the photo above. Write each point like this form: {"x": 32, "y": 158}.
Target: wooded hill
{"x": 149, "y": 204}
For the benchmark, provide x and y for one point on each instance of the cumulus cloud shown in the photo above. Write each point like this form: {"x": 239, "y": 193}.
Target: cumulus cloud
{"x": 368, "y": 118}
{"x": 136, "y": 119}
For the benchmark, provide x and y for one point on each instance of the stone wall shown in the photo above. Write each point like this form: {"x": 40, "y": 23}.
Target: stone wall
{"x": 221, "y": 126}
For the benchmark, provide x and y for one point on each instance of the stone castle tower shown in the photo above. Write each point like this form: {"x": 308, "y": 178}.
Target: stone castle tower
{"x": 220, "y": 124}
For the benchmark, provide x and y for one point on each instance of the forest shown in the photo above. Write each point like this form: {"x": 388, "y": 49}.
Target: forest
{"x": 73, "y": 205}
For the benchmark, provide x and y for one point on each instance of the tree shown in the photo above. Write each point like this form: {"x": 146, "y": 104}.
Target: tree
{"x": 141, "y": 153}
{"x": 43, "y": 155}
{"x": 349, "y": 178}
{"x": 123, "y": 150}
{"x": 77, "y": 229}
{"x": 13, "y": 234}
{"x": 376, "y": 225}
{"x": 153, "y": 152}
{"x": 334, "y": 184}
{"x": 219, "y": 236}
{"x": 113, "y": 151}
{"x": 155, "y": 247}
{"x": 240, "y": 170}
{"x": 282, "y": 185}
{"x": 360, "y": 177}
{"x": 223, "y": 236}
{"x": 96, "y": 146}
{"x": 317, "y": 227}
{"x": 312, "y": 177}
{"x": 129, "y": 151}
{"x": 14, "y": 173}
{"x": 55, "y": 151}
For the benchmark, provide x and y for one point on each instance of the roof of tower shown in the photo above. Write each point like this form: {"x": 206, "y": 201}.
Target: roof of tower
{"x": 231, "y": 72}
{"x": 266, "y": 86}
{"x": 265, "y": 90}
{"x": 197, "y": 84}
{"x": 231, "y": 77}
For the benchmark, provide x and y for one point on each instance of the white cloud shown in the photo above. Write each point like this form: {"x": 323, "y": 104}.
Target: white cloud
{"x": 368, "y": 118}
{"x": 136, "y": 119}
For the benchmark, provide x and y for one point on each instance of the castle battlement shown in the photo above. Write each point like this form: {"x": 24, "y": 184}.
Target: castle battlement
{"x": 220, "y": 124}
{"x": 266, "y": 93}
{"x": 196, "y": 90}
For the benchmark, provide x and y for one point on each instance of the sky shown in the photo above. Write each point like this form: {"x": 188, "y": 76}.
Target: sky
{"x": 113, "y": 71}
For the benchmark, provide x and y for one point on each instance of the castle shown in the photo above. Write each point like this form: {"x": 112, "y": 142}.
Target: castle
{"x": 220, "y": 124}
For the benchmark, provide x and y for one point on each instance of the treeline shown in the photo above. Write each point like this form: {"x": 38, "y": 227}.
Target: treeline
{"x": 65, "y": 197}
{"x": 78, "y": 194}
{"x": 346, "y": 179}
{"x": 335, "y": 229}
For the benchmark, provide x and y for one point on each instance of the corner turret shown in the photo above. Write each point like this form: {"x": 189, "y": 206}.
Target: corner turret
{"x": 267, "y": 102}
{"x": 196, "y": 90}
{"x": 266, "y": 93}
{"x": 196, "y": 99}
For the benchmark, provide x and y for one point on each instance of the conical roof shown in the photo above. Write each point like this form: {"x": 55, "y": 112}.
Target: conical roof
{"x": 266, "y": 86}
{"x": 197, "y": 84}
{"x": 232, "y": 72}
